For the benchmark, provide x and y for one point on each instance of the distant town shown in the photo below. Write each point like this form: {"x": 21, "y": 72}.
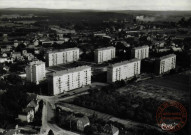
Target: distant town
{"x": 86, "y": 72}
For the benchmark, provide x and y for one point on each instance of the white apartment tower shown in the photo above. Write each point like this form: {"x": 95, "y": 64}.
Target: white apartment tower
{"x": 123, "y": 70}
{"x": 66, "y": 80}
{"x": 140, "y": 52}
{"x": 104, "y": 54}
{"x": 35, "y": 71}
{"x": 165, "y": 64}
{"x": 54, "y": 58}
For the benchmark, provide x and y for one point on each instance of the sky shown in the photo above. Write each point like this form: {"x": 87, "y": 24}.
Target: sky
{"x": 100, "y": 4}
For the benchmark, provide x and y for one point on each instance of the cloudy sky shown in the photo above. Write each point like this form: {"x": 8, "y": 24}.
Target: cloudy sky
{"x": 100, "y": 4}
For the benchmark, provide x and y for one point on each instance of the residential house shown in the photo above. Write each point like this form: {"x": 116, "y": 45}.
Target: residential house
{"x": 2, "y": 60}
{"x": 27, "y": 115}
{"x": 34, "y": 104}
{"x": 16, "y": 56}
{"x": 110, "y": 130}
{"x": 82, "y": 122}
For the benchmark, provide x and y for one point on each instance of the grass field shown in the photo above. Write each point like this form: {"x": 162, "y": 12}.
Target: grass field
{"x": 171, "y": 87}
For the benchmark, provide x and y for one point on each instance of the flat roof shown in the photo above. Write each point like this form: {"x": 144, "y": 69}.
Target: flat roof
{"x": 36, "y": 63}
{"x": 124, "y": 62}
{"x": 70, "y": 70}
{"x": 62, "y": 50}
{"x": 167, "y": 56}
{"x": 140, "y": 47}
{"x": 105, "y": 48}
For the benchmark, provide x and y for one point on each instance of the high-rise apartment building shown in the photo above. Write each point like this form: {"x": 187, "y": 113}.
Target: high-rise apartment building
{"x": 66, "y": 80}
{"x": 123, "y": 70}
{"x": 35, "y": 71}
{"x": 54, "y": 58}
{"x": 140, "y": 52}
{"x": 165, "y": 64}
{"x": 104, "y": 54}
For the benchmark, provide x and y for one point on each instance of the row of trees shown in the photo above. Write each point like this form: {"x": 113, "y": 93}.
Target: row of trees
{"x": 126, "y": 106}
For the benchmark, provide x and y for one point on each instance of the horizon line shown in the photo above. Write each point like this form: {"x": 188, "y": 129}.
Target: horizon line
{"x": 90, "y": 9}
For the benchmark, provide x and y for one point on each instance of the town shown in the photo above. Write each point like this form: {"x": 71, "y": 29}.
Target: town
{"x": 67, "y": 72}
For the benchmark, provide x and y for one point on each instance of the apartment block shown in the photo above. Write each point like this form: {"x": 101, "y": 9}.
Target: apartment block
{"x": 35, "y": 71}
{"x": 104, "y": 54}
{"x": 140, "y": 52}
{"x": 54, "y": 58}
{"x": 165, "y": 64}
{"x": 66, "y": 80}
{"x": 123, "y": 70}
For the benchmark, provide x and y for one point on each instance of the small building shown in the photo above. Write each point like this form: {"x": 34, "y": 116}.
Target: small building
{"x": 2, "y": 60}
{"x": 81, "y": 122}
{"x": 16, "y": 55}
{"x": 27, "y": 115}
{"x": 110, "y": 130}
{"x": 34, "y": 104}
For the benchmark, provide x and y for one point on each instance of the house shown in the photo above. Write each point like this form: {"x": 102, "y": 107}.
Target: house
{"x": 34, "y": 104}
{"x": 27, "y": 115}
{"x": 24, "y": 52}
{"x": 29, "y": 56}
{"x": 36, "y": 42}
{"x": 4, "y": 55}
{"x": 110, "y": 130}
{"x": 16, "y": 43}
{"x": 16, "y": 55}
{"x": 82, "y": 123}
{"x": 2, "y": 60}
{"x": 76, "y": 121}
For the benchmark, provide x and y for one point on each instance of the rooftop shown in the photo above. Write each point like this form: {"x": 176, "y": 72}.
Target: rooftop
{"x": 70, "y": 70}
{"x": 63, "y": 50}
{"x": 36, "y": 63}
{"x": 105, "y": 48}
{"x": 140, "y": 47}
{"x": 124, "y": 62}
{"x": 167, "y": 56}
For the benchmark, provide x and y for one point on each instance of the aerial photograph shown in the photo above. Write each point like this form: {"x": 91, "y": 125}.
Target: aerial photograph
{"x": 95, "y": 67}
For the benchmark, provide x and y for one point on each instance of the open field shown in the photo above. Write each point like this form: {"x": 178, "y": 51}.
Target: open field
{"x": 172, "y": 87}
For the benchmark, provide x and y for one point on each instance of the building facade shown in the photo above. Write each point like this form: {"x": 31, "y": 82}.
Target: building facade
{"x": 66, "y": 80}
{"x": 64, "y": 56}
{"x": 123, "y": 70}
{"x": 35, "y": 71}
{"x": 141, "y": 52}
{"x": 165, "y": 64}
{"x": 104, "y": 54}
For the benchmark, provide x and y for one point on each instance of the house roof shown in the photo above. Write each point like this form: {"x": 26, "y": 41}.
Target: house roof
{"x": 84, "y": 119}
{"x": 33, "y": 103}
{"x": 28, "y": 109}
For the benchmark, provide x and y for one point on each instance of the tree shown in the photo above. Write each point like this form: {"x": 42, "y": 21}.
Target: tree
{"x": 50, "y": 132}
{"x": 14, "y": 79}
{"x": 88, "y": 130}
